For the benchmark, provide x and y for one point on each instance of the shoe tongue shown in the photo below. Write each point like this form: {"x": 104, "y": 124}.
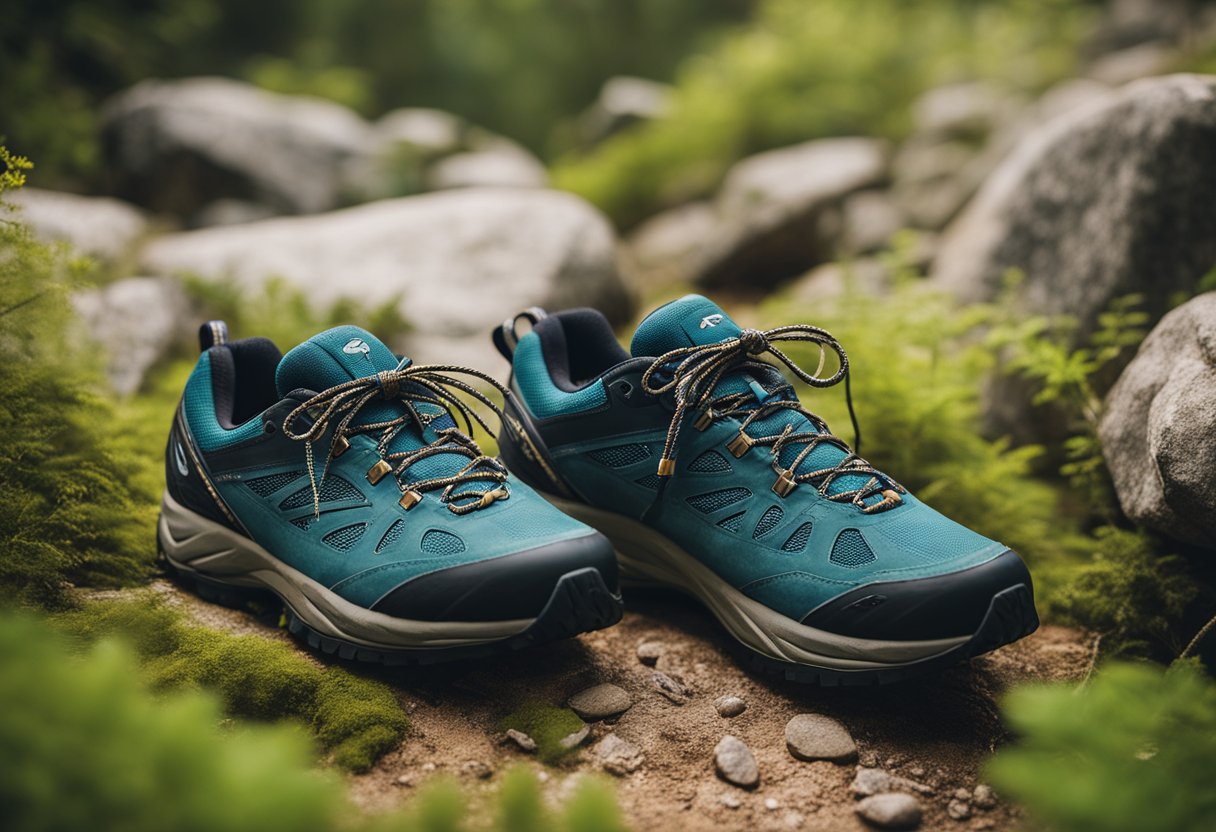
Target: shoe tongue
{"x": 694, "y": 320}
{"x": 335, "y": 356}
{"x": 691, "y": 321}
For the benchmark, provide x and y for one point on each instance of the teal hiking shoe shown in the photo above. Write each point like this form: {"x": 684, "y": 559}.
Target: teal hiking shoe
{"x": 695, "y": 457}
{"x": 337, "y": 478}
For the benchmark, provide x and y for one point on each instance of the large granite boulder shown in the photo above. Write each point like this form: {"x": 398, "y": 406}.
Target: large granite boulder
{"x": 176, "y": 146}
{"x": 97, "y": 226}
{"x": 455, "y": 263}
{"x": 1114, "y": 197}
{"x": 778, "y": 213}
{"x": 1158, "y": 428}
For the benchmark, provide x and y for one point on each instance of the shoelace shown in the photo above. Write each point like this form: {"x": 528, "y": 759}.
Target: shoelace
{"x": 422, "y": 384}
{"x": 691, "y": 375}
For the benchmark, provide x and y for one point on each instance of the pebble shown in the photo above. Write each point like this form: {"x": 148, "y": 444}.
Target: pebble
{"x": 576, "y": 738}
{"x": 735, "y": 763}
{"x": 890, "y": 810}
{"x": 958, "y": 809}
{"x": 817, "y": 737}
{"x": 522, "y": 740}
{"x": 984, "y": 797}
{"x": 618, "y": 756}
{"x": 962, "y": 794}
{"x": 428, "y": 767}
{"x": 730, "y": 801}
{"x": 404, "y": 780}
{"x": 870, "y": 781}
{"x": 599, "y": 702}
{"x": 649, "y": 652}
{"x": 729, "y": 706}
{"x": 478, "y": 769}
{"x": 771, "y": 804}
{"x": 675, "y": 692}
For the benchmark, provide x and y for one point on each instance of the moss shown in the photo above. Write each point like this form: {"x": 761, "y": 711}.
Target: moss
{"x": 547, "y": 724}
{"x": 355, "y": 719}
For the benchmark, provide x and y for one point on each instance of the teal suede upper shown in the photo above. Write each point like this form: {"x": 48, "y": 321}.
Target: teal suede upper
{"x": 362, "y": 544}
{"x": 723, "y": 511}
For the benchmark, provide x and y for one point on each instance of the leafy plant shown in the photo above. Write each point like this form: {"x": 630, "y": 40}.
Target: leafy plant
{"x": 1132, "y": 751}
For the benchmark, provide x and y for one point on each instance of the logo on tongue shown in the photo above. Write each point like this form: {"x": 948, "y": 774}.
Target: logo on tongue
{"x": 357, "y": 345}
{"x": 710, "y": 320}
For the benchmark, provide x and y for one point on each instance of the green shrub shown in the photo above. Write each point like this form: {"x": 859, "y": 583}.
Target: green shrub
{"x": 1132, "y": 751}
{"x": 71, "y": 510}
{"x": 355, "y": 719}
{"x": 803, "y": 70}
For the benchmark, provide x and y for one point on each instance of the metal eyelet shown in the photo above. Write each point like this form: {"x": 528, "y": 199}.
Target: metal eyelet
{"x": 378, "y": 471}
{"x": 740, "y": 445}
{"x": 785, "y": 483}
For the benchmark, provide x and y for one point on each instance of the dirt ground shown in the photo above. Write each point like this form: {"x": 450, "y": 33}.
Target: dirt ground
{"x": 937, "y": 731}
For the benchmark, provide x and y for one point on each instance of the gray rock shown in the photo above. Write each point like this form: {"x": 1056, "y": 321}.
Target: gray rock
{"x": 600, "y": 702}
{"x": 967, "y": 110}
{"x": 575, "y": 738}
{"x": 423, "y": 130}
{"x": 729, "y": 706}
{"x": 623, "y": 101}
{"x": 1142, "y": 61}
{"x": 649, "y": 652}
{"x": 869, "y": 220}
{"x": 176, "y": 146}
{"x": 870, "y": 781}
{"x": 778, "y": 213}
{"x": 138, "y": 321}
{"x": 497, "y": 164}
{"x": 735, "y": 763}
{"x": 666, "y": 249}
{"x": 522, "y": 740}
{"x": 1110, "y": 198}
{"x": 891, "y": 810}
{"x": 730, "y": 801}
{"x": 455, "y": 263}
{"x": 934, "y": 178}
{"x": 958, "y": 809}
{"x": 983, "y": 797}
{"x": 672, "y": 690}
{"x": 618, "y": 756}
{"x": 98, "y": 226}
{"x": 1158, "y": 427}
{"x": 230, "y": 212}
{"x": 817, "y": 737}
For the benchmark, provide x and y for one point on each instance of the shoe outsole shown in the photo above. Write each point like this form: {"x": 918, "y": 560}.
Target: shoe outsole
{"x": 581, "y": 602}
{"x": 1011, "y": 616}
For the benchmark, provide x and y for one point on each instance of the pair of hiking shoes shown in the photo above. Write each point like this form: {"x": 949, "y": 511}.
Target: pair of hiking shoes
{"x": 343, "y": 479}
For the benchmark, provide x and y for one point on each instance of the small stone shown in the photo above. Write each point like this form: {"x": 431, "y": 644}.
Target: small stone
{"x": 870, "y": 781}
{"x": 576, "y": 738}
{"x": 891, "y": 810}
{"x": 428, "y": 767}
{"x": 815, "y": 737}
{"x": 983, "y": 797}
{"x": 599, "y": 702}
{"x": 649, "y": 652}
{"x": 916, "y": 771}
{"x": 729, "y": 706}
{"x": 771, "y": 804}
{"x": 793, "y": 820}
{"x": 542, "y": 776}
{"x": 730, "y": 801}
{"x": 962, "y": 794}
{"x": 478, "y": 769}
{"x": 404, "y": 780}
{"x": 735, "y": 763}
{"x": 958, "y": 810}
{"x": 618, "y": 756}
{"x": 675, "y": 692}
{"x": 521, "y": 739}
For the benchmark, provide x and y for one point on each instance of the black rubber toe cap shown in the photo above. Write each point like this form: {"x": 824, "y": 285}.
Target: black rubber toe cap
{"x": 944, "y": 606}
{"x": 512, "y": 586}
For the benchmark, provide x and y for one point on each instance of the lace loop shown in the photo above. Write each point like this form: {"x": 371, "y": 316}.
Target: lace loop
{"x": 410, "y": 386}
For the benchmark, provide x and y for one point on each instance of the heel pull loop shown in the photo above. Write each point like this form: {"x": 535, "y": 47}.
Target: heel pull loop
{"x": 212, "y": 334}
{"x": 506, "y": 335}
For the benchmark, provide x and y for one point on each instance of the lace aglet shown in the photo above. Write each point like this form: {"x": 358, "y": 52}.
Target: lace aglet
{"x": 667, "y": 467}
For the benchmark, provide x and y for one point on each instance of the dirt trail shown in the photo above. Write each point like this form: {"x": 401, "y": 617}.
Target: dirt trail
{"x": 937, "y": 730}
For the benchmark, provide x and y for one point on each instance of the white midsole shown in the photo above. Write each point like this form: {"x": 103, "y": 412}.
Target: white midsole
{"x": 650, "y": 557}
{"x": 195, "y": 545}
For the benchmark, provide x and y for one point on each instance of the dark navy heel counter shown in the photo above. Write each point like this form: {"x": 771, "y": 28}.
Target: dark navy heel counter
{"x": 524, "y": 453}
{"x": 186, "y": 478}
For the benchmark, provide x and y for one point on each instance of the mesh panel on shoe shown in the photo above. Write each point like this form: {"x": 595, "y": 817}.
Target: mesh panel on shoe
{"x": 390, "y": 537}
{"x": 715, "y": 500}
{"x": 332, "y": 490}
{"x": 265, "y": 486}
{"x": 621, "y": 456}
{"x": 302, "y": 523}
{"x": 710, "y": 462}
{"x": 732, "y": 523}
{"x": 437, "y": 542}
{"x": 934, "y": 538}
{"x": 346, "y": 536}
{"x": 650, "y": 481}
{"x": 768, "y": 521}
{"x": 797, "y": 541}
{"x": 851, "y": 549}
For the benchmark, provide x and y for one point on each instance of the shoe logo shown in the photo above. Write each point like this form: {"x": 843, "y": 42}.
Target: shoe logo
{"x": 357, "y": 345}
{"x": 179, "y": 459}
{"x": 710, "y": 320}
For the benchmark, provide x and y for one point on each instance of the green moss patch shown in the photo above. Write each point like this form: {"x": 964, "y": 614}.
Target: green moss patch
{"x": 547, "y": 724}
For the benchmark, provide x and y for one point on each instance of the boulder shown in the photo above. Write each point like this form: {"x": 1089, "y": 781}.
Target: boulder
{"x": 499, "y": 163}
{"x": 968, "y": 110}
{"x": 664, "y": 250}
{"x": 137, "y": 321}
{"x": 623, "y": 101}
{"x": 98, "y": 226}
{"x": 176, "y": 146}
{"x": 1158, "y": 427}
{"x": 1113, "y": 197}
{"x": 426, "y": 131}
{"x": 454, "y": 263}
{"x": 778, "y": 213}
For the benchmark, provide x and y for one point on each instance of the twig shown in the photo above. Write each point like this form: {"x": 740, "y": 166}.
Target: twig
{"x": 1199, "y": 636}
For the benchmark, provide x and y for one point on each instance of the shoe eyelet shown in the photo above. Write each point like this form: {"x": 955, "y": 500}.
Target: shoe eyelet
{"x": 378, "y": 471}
